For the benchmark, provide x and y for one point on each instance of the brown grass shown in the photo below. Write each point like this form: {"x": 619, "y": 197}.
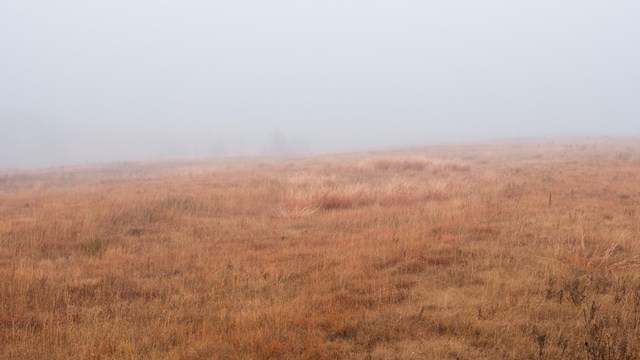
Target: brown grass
{"x": 508, "y": 251}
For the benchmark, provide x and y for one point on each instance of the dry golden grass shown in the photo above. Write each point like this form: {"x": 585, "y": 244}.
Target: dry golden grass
{"x": 486, "y": 251}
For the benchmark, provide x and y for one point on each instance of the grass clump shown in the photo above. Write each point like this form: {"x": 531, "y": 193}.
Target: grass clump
{"x": 135, "y": 231}
{"x": 95, "y": 247}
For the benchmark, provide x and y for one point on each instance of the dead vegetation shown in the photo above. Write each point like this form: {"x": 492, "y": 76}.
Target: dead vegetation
{"x": 510, "y": 251}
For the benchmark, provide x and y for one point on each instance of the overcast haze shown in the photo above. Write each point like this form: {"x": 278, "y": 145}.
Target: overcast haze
{"x": 98, "y": 81}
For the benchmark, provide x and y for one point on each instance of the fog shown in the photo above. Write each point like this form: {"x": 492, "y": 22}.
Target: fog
{"x": 99, "y": 81}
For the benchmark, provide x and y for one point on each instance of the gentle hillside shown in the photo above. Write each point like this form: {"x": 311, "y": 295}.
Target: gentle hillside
{"x": 482, "y": 251}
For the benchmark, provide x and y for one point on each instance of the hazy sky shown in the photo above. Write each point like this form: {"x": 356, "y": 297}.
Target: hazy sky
{"x": 94, "y": 81}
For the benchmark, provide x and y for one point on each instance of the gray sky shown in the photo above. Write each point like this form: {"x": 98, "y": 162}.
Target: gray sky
{"x": 96, "y": 81}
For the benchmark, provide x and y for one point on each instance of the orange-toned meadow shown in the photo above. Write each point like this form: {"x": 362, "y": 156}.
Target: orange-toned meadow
{"x": 483, "y": 251}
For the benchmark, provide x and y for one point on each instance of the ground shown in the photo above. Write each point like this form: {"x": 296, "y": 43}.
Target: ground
{"x": 512, "y": 250}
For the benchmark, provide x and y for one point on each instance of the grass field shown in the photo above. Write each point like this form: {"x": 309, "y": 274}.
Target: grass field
{"x": 509, "y": 250}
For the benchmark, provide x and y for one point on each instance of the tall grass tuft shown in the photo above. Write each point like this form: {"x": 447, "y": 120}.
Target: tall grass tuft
{"x": 95, "y": 247}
